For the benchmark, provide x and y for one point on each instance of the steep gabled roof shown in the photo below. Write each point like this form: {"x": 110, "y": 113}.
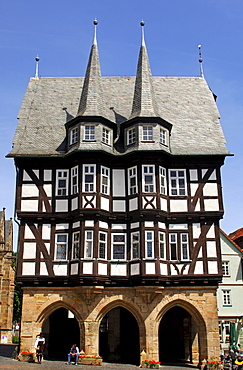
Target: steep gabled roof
{"x": 144, "y": 102}
{"x": 231, "y": 240}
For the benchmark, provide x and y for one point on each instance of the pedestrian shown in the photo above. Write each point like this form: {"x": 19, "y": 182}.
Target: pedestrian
{"x": 39, "y": 347}
{"x": 239, "y": 362}
{"x": 73, "y": 355}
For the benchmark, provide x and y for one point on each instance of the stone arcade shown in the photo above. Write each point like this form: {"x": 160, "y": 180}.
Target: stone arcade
{"x": 119, "y": 200}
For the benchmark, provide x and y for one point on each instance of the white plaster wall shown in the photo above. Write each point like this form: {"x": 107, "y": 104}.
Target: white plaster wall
{"x": 46, "y": 231}
{"x": 163, "y": 204}
{"x": 47, "y": 175}
{"x": 193, "y": 175}
{"x": 119, "y": 270}
{"x": 133, "y": 204}
{"x": 178, "y": 205}
{"x": 135, "y": 269}
{"x": 30, "y": 190}
{"x": 198, "y": 268}
{"x": 211, "y": 249}
{"x": 29, "y": 205}
{"x": 28, "y": 268}
{"x": 88, "y": 268}
{"x": 102, "y": 268}
{"x": 61, "y": 205}
{"x": 178, "y": 226}
{"x": 150, "y": 268}
{"x": 210, "y": 190}
{"x": 74, "y": 203}
{"x": 29, "y": 250}
{"x": 74, "y": 269}
{"x": 119, "y": 206}
{"x": 43, "y": 269}
{"x": 211, "y": 204}
{"x": 105, "y": 203}
{"x": 163, "y": 269}
{"x": 212, "y": 267}
{"x": 60, "y": 270}
{"x": 196, "y": 230}
{"x": 48, "y": 189}
{"x": 28, "y": 233}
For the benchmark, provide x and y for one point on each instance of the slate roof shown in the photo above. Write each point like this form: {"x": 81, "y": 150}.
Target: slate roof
{"x": 185, "y": 102}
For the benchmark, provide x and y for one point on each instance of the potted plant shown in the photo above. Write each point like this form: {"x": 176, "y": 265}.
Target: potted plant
{"x": 26, "y": 356}
{"x": 90, "y": 360}
{"x": 150, "y": 364}
{"x": 214, "y": 365}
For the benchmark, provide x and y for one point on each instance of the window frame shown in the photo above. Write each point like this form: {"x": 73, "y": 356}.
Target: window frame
{"x": 162, "y": 180}
{"x": 132, "y": 187}
{"x": 73, "y": 177}
{"x": 176, "y": 179}
{"x": 73, "y": 135}
{"x": 113, "y": 243}
{"x": 162, "y": 233}
{"x": 103, "y": 242}
{"x": 186, "y": 243}
{"x": 86, "y": 183}
{"x": 59, "y": 243}
{"x": 106, "y": 136}
{"x": 144, "y": 174}
{"x": 226, "y": 297}
{"x": 131, "y": 135}
{"x": 88, "y": 248}
{"x": 135, "y": 245}
{"x": 226, "y": 268}
{"x": 163, "y": 136}
{"x": 147, "y": 241}
{"x": 74, "y": 245}
{"x": 173, "y": 242}
{"x": 62, "y": 178}
{"x": 88, "y": 134}
{"x": 103, "y": 176}
{"x": 146, "y": 135}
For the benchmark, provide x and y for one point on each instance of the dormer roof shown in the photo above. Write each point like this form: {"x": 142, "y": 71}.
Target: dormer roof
{"x": 144, "y": 102}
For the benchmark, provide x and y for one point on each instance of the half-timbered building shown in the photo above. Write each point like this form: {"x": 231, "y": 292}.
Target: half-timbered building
{"x": 119, "y": 200}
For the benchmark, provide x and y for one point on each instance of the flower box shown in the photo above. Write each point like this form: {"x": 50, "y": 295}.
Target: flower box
{"x": 26, "y": 356}
{"x": 90, "y": 360}
{"x": 150, "y": 364}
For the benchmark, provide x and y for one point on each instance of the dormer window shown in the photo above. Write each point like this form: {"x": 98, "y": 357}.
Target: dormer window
{"x": 106, "y": 134}
{"x": 89, "y": 132}
{"x": 162, "y": 136}
{"x": 73, "y": 135}
{"x": 147, "y": 133}
{"x": 131, "y": 136}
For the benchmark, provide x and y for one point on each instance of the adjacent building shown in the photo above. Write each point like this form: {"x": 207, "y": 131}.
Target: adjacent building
{"x": 6, "y": 278}
{"x": 229, "y": 294}
{"x": 119, "y": 201}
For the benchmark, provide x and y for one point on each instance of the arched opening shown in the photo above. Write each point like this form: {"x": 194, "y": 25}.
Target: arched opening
{"x": 119, "y": 337}
{"x": 61, "y": 330}
{"x": 176, "y": 336}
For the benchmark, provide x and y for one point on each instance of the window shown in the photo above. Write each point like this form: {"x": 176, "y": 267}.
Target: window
{"x": 73, "y": 135}
{"x": 88, "y": 248}
{"x": 75, "y": 245}
{"x": 162, "y": 136}
{"x": 162, "y": 179}
{"x": 132, "y": 180}
{"x": 61, "y": 246}
{"x": 62, "y": 182}
{"x": 74, "y": 180}
{"x": 131, "y": 136}
{"x": 173, "y": 246}
{"x": 148, "y": 180}
{"x": 184, "y": 247}
{"x": 226, "y": 331}
{"x": 106, "y": 136}
{"x": 225, "y": 268}
{"x": 105, "y": 180}
{"x": 161, "y": 245}
{"x": 177, "y": 182}
{"x": 89, "y": 132}
{"x": 135, "y": 245}
{"x": 102, "y": 245}
{"x": 147, "y": 133}
{"x": 226, "y": 297}
{"x": 149, "y": 244}
{"x": 118, "y": 246}
{"x": 88, "y": 178}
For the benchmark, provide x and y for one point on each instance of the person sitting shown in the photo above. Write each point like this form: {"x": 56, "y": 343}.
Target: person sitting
{"x": 73, "y": 355}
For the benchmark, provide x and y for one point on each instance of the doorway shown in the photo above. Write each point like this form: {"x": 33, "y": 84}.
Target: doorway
{"x": 119, "y": 337}
{"x": 61, "y": 330}
{"x": 175, "y": 342}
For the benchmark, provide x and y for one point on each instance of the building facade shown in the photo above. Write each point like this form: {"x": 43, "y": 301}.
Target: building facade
{"x": 229, "y": 294}
{"x": 6, "y": 278}
{"x": 119, "y": 200}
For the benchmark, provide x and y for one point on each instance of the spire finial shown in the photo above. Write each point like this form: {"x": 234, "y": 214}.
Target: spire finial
{"x": 142, "y": 24}
{"x": 200, "y": 60}
{"x": 37, "y": 67}
{"x": 95, "y": 22}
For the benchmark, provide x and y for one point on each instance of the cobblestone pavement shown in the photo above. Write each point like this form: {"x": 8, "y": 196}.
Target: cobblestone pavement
{"x": 7, "y": 363}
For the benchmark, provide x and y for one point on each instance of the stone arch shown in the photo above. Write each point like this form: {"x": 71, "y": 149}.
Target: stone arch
{"x": 199, "y": 324}
{"x": 128, "y": 309}
{"x": 45, "y": 320}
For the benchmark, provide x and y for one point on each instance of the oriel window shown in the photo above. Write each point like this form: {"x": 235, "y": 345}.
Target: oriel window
{"x": 62, "y": 182}
{"x": 89, "y": 132}
{"x": 61, "y": 246}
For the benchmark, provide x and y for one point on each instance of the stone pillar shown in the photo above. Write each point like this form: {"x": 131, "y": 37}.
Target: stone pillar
{"x": 91, "y": 337}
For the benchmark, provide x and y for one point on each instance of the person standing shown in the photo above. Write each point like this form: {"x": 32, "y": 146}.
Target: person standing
{"x": 39, "y": 347}
{"x": 73, "y": 355}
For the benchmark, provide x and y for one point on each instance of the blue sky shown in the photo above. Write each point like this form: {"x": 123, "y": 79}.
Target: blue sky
{"x": 61, "y": 32}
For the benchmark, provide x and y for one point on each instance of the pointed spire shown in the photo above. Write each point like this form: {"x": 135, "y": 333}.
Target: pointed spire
{"x": 143, "y": 100}
{"x": 91, "y": 103}
{"x": 200, "y": 60}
